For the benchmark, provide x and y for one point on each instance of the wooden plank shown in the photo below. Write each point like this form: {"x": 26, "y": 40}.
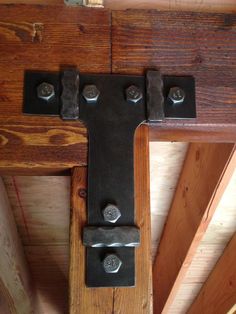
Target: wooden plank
{"x": 205, "y": 175}
{"x": 49, "y": 268}
{"x": 45, "y": 38}
{"x": 193, "y": 133}
{"x": 113, "y": 300}
{"x": 81, "y": 298}
{"x": 218, "y": 294}
{"x": 139, "y": 299}
{"x": 182, "y": 43}
{"x": 180, "y": 5}
{"x": 17, "y": 290}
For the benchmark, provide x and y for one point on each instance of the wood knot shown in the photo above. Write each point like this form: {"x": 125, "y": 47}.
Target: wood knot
{"x": 82, "y": 193}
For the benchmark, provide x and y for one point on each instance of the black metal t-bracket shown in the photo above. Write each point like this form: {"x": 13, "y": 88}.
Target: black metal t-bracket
{"x": 112, "y": 107}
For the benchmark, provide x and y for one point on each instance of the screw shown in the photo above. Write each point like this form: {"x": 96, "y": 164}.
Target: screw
{"x": 111, "y": 213}
{"x": 133, "y": 94}
{"x": 111, "y": 264}
{"x": 45, "y": 91}
{"x": 176, "y": 95}
{"x": 91, "y": 93}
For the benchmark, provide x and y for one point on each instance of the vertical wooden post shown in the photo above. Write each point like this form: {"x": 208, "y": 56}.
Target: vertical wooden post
{"x": 113, "y": 300}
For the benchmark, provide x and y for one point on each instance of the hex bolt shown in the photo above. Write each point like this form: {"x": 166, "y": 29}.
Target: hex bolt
{"x": 45, "y": 91}
{"x": 176, "y": 95}
{"x": 90, "y": 93}
{"x": 133, "y": 94}
{"x": 111, "y": 264}
{"x": 111, "y": 213}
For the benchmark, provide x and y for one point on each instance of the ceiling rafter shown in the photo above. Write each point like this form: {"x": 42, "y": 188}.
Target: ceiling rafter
{"x": 205, "y": 175}
{"x": 218, "y": 294}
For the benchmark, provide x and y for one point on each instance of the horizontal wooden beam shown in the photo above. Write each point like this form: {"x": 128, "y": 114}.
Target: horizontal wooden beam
{"x": 206, "y": 6}
{"x": 41, "y": 146}
{"x": 218, "y": 294}
{"x": 205, "y": 175}
{"x": 33, "y": 38}
{"x": 183, "y": 43}
{"x": 17, "y": 293}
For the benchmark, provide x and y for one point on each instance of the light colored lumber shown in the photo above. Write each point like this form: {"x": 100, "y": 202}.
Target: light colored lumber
{"x": 113, "y": 300}
{"x": 205, "y": 175}
{"x": 16, "y": 288}
{"x": 218, "y": 294}
{"x": 180, "y": 5}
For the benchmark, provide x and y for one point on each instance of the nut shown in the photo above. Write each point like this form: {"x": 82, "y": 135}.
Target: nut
{"x": 176, "y": 95}
{"x": 91, "y": 93}
{"x": 45, "y": 91}
{"x": 111, "y": 213}
{"x": 133, "y": 94}
{"x": 111, "y": 264}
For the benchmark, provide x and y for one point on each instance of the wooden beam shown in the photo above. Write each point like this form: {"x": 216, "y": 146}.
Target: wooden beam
{"x": 16, "y": 288}
{"x": 182, "y": 5}
{"x": 205, "y": 175}
{"x": 45, "y": 38}
{"x": 183, "y": 43}
{"x": 113, "y": 300}
{"x": 218, "y": 294}
{"x": 33, "y": 38}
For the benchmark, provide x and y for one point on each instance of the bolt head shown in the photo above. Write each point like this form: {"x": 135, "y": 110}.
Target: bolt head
{"x": 133, "y": 94}
{"x": 45, "y": 91}
{"x": 91, "y": 93}
{"x": 111, "y": 264}
{"x": 176, "y": 95}
{"x": 111, "y": 213}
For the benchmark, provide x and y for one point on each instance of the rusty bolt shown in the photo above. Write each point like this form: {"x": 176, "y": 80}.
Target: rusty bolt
{"x": 91, "y": 93}
{"x": 133, "y": 94}
{"x": 45, "y": 91}
{"x": 176, "y": 95}
{"x": 111, "y": 213}
{"x": 111, "y": 264}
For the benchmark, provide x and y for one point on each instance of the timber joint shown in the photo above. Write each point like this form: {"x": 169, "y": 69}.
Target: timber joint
{"x": 112, "y": 107}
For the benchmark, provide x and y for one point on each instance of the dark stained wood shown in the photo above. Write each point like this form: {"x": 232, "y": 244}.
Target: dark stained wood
{"x": 45, "y": 38}
{"x": 205, "y": 175}
{"x": 183, "y": 43}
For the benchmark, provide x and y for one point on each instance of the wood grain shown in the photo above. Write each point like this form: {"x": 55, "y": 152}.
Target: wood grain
{"x": 113, "y": 300}
{"x": 218, "y": 294}
{"x": 182, "y": 43}
{"x": 43, "y": 146}
{"x": 16, "y": 286}
{"x": 180, "y": 5}
{"x": 41, "y": 38}
{"x": 81, "y": 298}
{"x": 139, "y": 299}
{"x": 205, "y": 175}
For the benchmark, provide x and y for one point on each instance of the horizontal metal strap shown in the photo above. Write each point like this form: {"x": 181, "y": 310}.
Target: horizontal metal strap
{"x": 128, "y": 236}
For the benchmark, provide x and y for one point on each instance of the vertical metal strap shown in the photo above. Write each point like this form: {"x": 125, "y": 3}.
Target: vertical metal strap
{"x": 155, "y": 98}
{"x": 69, "y": 96}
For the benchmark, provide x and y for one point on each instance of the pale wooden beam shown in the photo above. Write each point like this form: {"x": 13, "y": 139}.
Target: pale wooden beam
{"x": 218, "y": 294}
{"x": 113, "y": 300}
{"x": 205, "y": 175}
{"x": 17, "y": 293}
